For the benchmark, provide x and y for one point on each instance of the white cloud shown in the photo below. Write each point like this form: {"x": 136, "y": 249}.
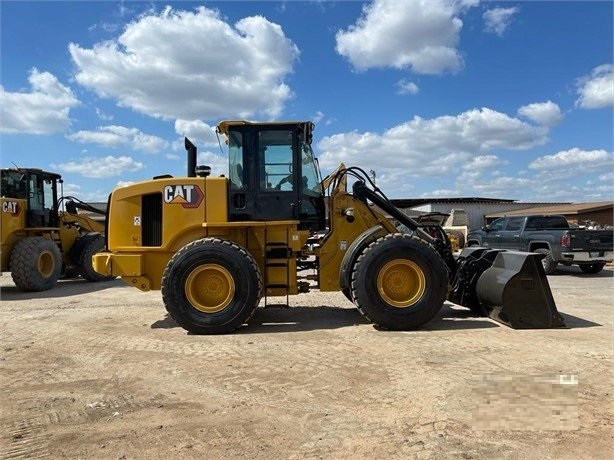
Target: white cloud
{"x": 102, "y": 115}
{"x": 197, "y": 131}
{"x": 452, "y": 151}
{"x": 606, "y": 184}
{"x": 99, "y": 168}
{"x": 597, "y": 89}
{"x": 572, "y": 163}
{"x": 497, "y": 20}
{"x": 115, "y": 136}
{"x": 544, "y": 113}
{"x": 419, "y": 146}
{"x": 564, "y": 176}
{"x": 498, "y": 187}
{"x": 421, "y": 35}
{"x": 319, "y": 115}
{"x": 43, "y": 110}
{"x": 192, "y": 65}
{"x": 85, "y": 195}
{"x": 484, "y": 162}
{"x": 407, "y": 87}
{"x": 441, "y": 193}
{"x": 218, "y": 163}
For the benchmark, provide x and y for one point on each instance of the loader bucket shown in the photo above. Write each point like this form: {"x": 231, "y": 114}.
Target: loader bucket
{"x": 508, "y": 286}
{"x": 516, "y": 290}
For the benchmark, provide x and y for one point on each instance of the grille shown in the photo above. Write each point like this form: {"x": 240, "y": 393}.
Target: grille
{"x": 151, "y": 225}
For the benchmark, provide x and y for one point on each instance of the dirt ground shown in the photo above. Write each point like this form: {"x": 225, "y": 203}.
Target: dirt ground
{"x": 99, "y": 371}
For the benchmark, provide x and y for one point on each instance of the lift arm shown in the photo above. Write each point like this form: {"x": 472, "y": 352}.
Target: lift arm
{"x": 364, "y": 193}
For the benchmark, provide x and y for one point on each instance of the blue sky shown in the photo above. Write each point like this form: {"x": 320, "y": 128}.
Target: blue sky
{"x": 441, "y": 98}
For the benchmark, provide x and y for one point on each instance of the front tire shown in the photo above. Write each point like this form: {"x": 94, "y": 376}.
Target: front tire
{"x": 399, "y": 282}
{"x": 211, "y": 286}
{"x": 36, "y": 264}
{"x": 592, "y": 269}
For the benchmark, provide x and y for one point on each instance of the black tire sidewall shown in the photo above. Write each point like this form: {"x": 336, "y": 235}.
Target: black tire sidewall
{"x": 85, "y": 262}
{"x": 548, "y": 262}
{"x": 24, "y": 264}
{"x": 211, "y": 251}
{"x": 592, "y": 269}
{"x": 364, "y": 282}
{"x": 460, "y": 237}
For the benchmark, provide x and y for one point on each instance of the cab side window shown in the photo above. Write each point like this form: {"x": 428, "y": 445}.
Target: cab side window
{"x": 498, "y": 224}
{"x": 514, "y": 224}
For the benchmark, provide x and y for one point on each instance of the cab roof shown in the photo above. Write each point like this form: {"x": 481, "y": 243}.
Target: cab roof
{"x": 224, "y": 126}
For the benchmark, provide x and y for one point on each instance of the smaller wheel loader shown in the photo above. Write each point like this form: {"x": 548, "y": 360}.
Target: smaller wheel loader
{"x": 215, "y": 246}
{"x": 39, "y": 242}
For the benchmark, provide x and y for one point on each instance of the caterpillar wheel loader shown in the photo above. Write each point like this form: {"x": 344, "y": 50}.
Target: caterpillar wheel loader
{"x": 215, "y": 246}
{"x": 40, "y": 242}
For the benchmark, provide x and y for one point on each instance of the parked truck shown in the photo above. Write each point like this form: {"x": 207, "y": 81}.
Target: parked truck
{"x": 550, "y": 235}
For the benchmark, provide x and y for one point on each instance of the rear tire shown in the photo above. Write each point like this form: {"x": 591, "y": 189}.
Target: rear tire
{"x": 85, "y": 261}
{"x": 592, "y": 268}
{"x": 36, "y": 264}
{"x": 347, "y": 292}
{"x": 548, "y": 262}
{"x": 460, "y": 237}
{"x": 399, "y": 282}
{"x": 211, "y": 286}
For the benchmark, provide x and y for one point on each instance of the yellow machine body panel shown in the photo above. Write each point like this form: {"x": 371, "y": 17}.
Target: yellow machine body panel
{"x": 164, "y": 214}
{"x": 150, "y": 221}
{"x": 349, "y": 218}
{"x": 273, "y": 245}
{"x": 12, "y": 227}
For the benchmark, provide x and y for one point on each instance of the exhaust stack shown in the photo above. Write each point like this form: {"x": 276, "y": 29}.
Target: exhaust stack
{"x": 191, "y": 150}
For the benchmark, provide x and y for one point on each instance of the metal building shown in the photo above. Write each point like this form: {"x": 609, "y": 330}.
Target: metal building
{"x": 476, "y": 208}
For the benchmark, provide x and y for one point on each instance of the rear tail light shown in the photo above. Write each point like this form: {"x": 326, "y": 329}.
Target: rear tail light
{"x": 565, "y": 241}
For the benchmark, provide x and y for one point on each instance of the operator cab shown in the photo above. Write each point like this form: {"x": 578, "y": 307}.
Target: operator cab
{"x": 273, "y": 173}
{"x": 38, "y": 188}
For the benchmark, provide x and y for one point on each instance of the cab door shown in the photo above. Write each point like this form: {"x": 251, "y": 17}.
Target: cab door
{"x": 510, "y": 235}
{"x": 492, "y": 237}
{"x": 277, "y": 193}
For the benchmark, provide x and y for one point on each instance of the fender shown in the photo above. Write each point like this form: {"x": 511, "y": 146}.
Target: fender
{"x": 535, "y": 244}
{"x": 474, "y": 239}
{"x": 354, "y": 251}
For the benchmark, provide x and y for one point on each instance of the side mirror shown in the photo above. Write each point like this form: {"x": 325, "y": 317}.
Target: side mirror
{"x": 486, "y": 228}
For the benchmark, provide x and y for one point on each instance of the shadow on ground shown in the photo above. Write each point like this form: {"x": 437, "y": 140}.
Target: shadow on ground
{"x": 573, "y": 322}
{"x": 575, "y": 271}
{"x": 64, "y": 288}
{"x": 295, "y": 319}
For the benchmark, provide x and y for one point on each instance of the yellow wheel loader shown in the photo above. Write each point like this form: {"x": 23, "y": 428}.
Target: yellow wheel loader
{"x": 215, "y": 246}
{"x": 40, "y": 242}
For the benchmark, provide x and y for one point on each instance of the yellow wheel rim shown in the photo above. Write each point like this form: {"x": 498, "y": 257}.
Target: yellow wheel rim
{"x": 210, "y": 288}
{"x": 46, "y": 264}
{"x": 401, "y": 283}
